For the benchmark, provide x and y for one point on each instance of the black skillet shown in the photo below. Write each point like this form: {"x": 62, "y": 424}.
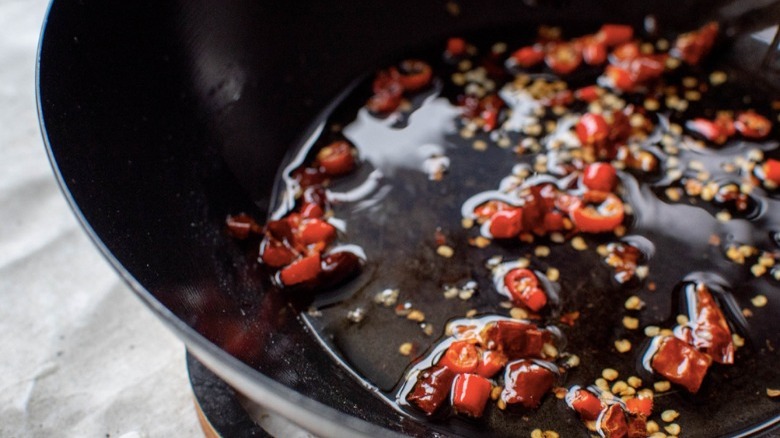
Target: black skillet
{"x": 161, "y": 118}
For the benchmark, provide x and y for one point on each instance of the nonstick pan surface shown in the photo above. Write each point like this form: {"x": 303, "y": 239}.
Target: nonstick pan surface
{"x": 162, "y": 118}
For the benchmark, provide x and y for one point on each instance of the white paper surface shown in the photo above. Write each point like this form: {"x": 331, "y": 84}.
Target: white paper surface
{"x": 81, "y": 356}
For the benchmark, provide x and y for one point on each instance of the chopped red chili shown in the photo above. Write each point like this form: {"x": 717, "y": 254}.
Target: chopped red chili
{"x": 752, "y": 125}
{"x": 526, "y": 383}
{"x": 692, "y": 46}
{"x": 336, "y": 158}
{"x": 470, "y": 393}
{"x": 461, "y": 357}
{"x": 601, "y": 177}
{"x": 586, "y": 404}
{"x": 431, "y": 389}
{"x": 302, "y": 270}
{"x": 523, "y": 288}
{"x": 681, "y": 363}
{"x": 601, "y": 212}
{"x": 490, "y": 363}
{"x": 710, "y": 332}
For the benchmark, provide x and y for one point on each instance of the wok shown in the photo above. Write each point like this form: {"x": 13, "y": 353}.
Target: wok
{"x": 161, "y": 118}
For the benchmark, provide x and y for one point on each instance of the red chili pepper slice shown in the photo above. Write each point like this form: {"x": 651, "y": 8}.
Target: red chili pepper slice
{"x": 470, "y": 394}
{"x": 553, "y": 221}
{"x": 613, "y": 423}
{"x": 680, "y": 363}
{"x": 691, "y": 47}
{"x": 386, "y": 99}
{"x": 506, "y": 224}
{"x": 707, "y": 129}
{"x": 526, "y": 383}
{"x": 336, "y": 158}
{"x": 563, "y": 58}
{"x": 771, "y": 169}
{"x": 431, "y": 388}
{"x": 315, "y": 231}
{"x": 640, "y": 406}
{"x": 308, "y": 176}
{"x": 414, "y": 75}
{"x": 275, "y": 253}
{"x": 528, "y": 56}
{"x": 490, "y": 363}
{"x": 753, "y": 125}
{"x": 302, "y": 270}
{"x": 337, "y": 267}
{"x": 587, "y": 405}
{"x": 592, "y": 129}
{"x": 711, "y": 333}
{"x": 461, "y": 357}
{"x": 614, "y": 34}
{"x": 620, "y": 78}
{"x": 311, "y": 210}
{"x": 589, "y": 94}
{"x": 601, "y": 177}
{"x": 241, "y": 226}
{"x": 516, "y": 339}
{"x": 455, "y": 47}
{"x": 626, "y": 51}
{"x": 523, "y": 288}
{"x": 485, "y": 211}
{"x": 594, "y": 52}
{"x": 600, "y": 213}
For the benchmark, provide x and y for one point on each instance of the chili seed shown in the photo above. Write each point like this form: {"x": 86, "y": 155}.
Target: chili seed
{"x": 738, "y": 340}
{"x": 557, "y": 237}
{"x": 451, "y": 292}
{"x": 579, "y": 243}
{"x": 619, "y": 387}
{"x": 673, "y": 429}
{"x": 479, "y": 145}
{"x": 662, "y": 386}
{"x": 630, "y": 323}
{"x": 496, "y": 392}
{"x": 652, "y": 427}
{"x": 634, "y": 303}
{"x": 537, "y": 433}
{"x": 723, "y": 216}
{"x": 549, "y": 350}
{"x": 602, "y": 384}
{"x": 652, "y": 330}
{"x": 645, "y": 393}
{"x": 657, "y": 435}
{"x": 416, "y": 315}
{"x": 445, "y": 251}
{"x": 553, "y": 274}
{"x": 501, "y": 404}
{"x": 406, "y": 349}
{"x": 747, "y": 313}
{"x": 560, "y": 392}
{"x": 759, "y": 300}
{"x": 467, "y": 222}
{"x": 758, "y": 270}
{"x": 542, "y": 251}
{"x": 518, "y": 313}
{"x": 634, "y": 382}
{"x": 465, "y": 294}
{"x": 718, "y": 77}
{"x": 623, "y": 345}
{"x": 388, "y": 297}
{"x": 573, "y": 361}
{"x": 774, "y": 393}
{"x": 609, "y": 374}
{"x": 669, "y": 415}
{"x": 682, "y": 319}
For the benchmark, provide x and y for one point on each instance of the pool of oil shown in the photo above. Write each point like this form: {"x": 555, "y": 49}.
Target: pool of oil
{"x": 399, "y": 215}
